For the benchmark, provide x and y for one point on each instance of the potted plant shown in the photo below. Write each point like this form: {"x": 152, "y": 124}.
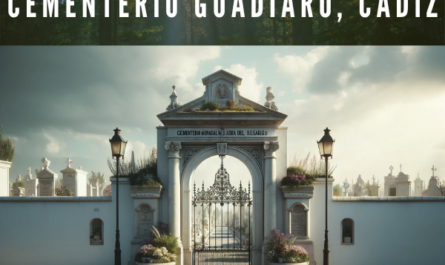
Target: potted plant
{"x": 282, "y": 251}
{"x": 162, "y": 250}
{"x": 142, "y": 174}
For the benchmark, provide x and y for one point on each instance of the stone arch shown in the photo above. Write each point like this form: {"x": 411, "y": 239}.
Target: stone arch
{"x": 257, "y": 175}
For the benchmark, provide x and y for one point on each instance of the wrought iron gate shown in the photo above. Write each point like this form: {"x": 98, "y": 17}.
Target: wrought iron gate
{"x": 221, "y": 233}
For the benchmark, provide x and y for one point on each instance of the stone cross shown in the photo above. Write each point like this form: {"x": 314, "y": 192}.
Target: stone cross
{"x": 373, "y": 180}
{"x": 391, "y": 168}
{"x": 69, "y": 162}
{"x": 433, "y": 169}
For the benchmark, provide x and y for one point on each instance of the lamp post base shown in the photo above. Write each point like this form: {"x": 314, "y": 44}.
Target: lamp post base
{"x": 326, "y": 256}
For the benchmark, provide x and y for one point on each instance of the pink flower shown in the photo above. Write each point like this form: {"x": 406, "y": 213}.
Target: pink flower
{"x": 298, "y": 249}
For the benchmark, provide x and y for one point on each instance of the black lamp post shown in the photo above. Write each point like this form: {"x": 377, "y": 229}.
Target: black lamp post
{"x": 325, "y": 146}
{"x": 117, "y": 150}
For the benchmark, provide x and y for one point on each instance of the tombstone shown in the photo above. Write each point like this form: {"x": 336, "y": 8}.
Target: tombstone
{"x": 403, "y": 185}
{"x": 346, "y": 187}
{"x": 373, "y": 188}
{"x": 358, "y": 188}
{"x": 89, "y": 190}
{"x": 299, "y": 221}
{"x": 145, "y": 221}
{"x": 433, "y": 187}
{"x": 46, "y": 178}
{"x": 18, "y": 191}
{"x": 107, "y": 190}
{"x": 94, "y": 189}
{"x": 418, "y": 186}
{"x": 30, "y": 185}
{"x": 75, "y": 179}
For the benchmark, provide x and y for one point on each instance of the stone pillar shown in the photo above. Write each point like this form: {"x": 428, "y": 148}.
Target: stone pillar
{"x": 174, "y": 193}
{"x": 270, "y": 175}
{"x": 270, "y": 201}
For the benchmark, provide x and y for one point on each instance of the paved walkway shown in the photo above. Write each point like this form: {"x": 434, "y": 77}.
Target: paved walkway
{"x": 224, "y": 241}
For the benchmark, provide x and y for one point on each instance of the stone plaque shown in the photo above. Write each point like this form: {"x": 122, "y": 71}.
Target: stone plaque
{"x": 299, "y": 221}
{"x": 145, "y": 221}
{"x": 46, "y": 188}
{"x": 68, "y": 181}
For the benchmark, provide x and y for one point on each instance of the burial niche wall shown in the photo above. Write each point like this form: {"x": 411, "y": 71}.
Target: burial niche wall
{"x": 347, "y": 226}
{"x": 298, "y": 221}
{"x": 96, "y": 232}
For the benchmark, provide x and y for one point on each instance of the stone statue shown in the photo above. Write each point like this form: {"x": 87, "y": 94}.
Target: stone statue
{"x": 269, "y": 97}
{"x": 222, "y": 92}
{"x": 173, "y": 100}
{"x": 346, "y": 187}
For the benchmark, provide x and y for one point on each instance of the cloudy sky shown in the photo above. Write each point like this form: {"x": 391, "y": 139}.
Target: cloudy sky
{"x": 384, "y": 105}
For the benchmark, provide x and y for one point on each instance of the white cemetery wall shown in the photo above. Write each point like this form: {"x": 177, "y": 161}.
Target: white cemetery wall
{"x": 4, "y": 178}
{"x": 56, "y": 230}
{"x": 383, "y": 229}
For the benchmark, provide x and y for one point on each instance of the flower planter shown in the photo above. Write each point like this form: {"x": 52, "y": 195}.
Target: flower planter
{"x": 153, "y": 192}
{"x": 170, "y": 263}
{"x": 302, "y": 192}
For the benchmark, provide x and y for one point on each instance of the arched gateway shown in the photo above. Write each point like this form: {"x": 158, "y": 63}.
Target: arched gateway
{"x": 192, "y": 134}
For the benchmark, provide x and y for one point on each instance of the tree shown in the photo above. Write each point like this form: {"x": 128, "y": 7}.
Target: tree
{"x": 7, "y": 151}
{"x": 97, "y": 178}
{"x": 337, "y": 190}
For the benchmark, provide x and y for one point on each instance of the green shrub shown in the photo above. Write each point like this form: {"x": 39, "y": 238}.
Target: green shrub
{"x": 292, "y": 170}
{"x": 145, "y": 172}
{"x": 313, "y": 167}
{"x": 21, "y": 184}
{"x": 7, "y": 151}
{"x": 169, "y": 242}
{"x": 337, "y": 190}
{"x": 212, "y": 106}
{"x": 240, "y": 109}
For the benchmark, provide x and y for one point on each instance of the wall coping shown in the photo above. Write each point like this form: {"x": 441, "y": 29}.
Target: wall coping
{"x": 302, "y": 192}
{"x": 5, "y": 164}
{"x": 389, "y": 199}
{"x": 56, "y": 199}
{"x": 122, "y": 180}
{"x": 323, "y": 180}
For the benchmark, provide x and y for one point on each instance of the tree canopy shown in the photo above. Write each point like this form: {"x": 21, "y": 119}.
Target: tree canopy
{"x": 7, "y": 151}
